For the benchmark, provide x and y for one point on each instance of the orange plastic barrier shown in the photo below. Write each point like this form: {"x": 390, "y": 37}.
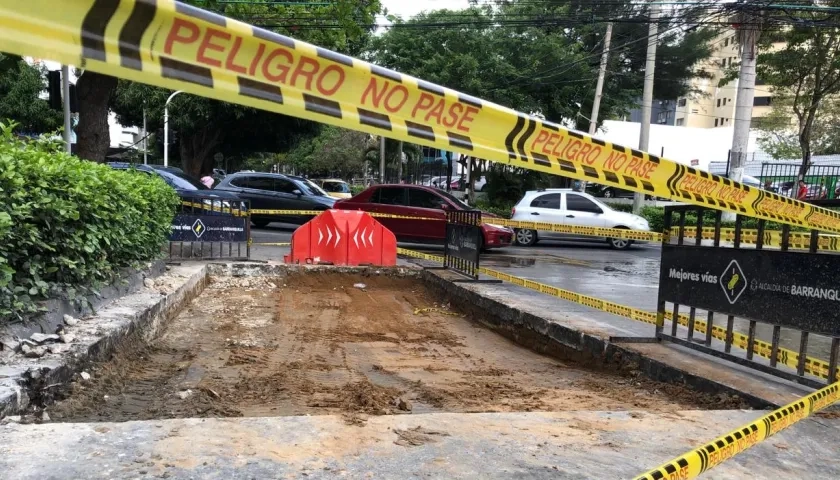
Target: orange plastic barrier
{"x": 343, "y": 237}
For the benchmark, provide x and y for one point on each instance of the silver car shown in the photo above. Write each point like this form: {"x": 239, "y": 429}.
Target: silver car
{"x": 569, "y": 207}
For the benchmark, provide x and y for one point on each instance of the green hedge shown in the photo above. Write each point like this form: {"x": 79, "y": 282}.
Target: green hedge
{"x": 67, "y": 225}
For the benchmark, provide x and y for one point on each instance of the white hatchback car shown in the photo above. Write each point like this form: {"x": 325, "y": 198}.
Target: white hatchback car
{"x": 569, "y": 207}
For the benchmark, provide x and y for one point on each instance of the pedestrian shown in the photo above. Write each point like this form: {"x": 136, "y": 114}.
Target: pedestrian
{"x": 803, "y": 191}
{"x": 207, "y": 180}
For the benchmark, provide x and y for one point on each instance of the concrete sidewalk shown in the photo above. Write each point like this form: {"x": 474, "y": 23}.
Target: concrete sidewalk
{"x": 574, "y": 445}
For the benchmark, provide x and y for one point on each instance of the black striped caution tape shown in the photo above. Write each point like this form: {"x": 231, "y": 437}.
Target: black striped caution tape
{"x": 813, "y": 366}
{"x": 180, "y": 47}
{"x": 700, "y": 460}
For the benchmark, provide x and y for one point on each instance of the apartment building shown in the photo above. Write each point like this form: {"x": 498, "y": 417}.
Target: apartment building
{"x": 715, "y": 106}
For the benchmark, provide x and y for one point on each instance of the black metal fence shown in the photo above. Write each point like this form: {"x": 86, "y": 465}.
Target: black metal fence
{"x": 464, "y": 240}
{"x": 823, "y": 181}
{"x": 207, "y": 227}
{"x": 766, "y": 288}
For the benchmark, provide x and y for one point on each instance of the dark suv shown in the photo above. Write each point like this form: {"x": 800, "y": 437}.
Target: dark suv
{"x": 187, "y": 187}
{"x": 273, "y": 191}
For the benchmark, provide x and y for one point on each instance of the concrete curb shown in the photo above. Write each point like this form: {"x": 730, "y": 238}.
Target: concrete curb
{"x": 133, "y": 318}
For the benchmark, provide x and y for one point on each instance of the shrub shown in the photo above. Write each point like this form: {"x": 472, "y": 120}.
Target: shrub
{"x": 501, "y": 209}
{"x": 68, "y": 225}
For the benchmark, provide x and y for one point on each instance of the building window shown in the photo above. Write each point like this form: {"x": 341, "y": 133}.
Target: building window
{"x": 716, "y": 122}
{"x": 681, "y": 102}
{"x": 726, "y": 43}
{"x": 718, "y": 102}
{"x": 762, "y": 101}
{"x": 679, "y": 122}
{"x": 724, "y": 102}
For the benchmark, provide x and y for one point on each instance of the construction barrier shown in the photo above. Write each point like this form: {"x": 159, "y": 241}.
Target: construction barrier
{"x": 343, "y": 237}
{"x": 772, "y": 238}
{"x": 695, "y": 462}
{"x": 816, "y": 367}
{"x": 181, "y": 47}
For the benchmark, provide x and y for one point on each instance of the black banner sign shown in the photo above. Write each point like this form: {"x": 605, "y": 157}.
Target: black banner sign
{"x": 463, "y": 241}
{"x": 208, "y": 228}
{"x": 797, "y": 290}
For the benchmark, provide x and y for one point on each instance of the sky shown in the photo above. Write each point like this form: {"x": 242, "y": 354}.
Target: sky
{"x": 409, "y": 8}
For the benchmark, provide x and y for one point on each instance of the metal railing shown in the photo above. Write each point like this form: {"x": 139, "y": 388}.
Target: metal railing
{"x": 760, "y": 285}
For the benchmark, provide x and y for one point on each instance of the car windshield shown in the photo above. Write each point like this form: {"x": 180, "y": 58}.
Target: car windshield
{"x": 336, "y": 187}
{"x": 312, "y": 189}
{"x": 181, "y": 181}
{"x": 454, "y": 199}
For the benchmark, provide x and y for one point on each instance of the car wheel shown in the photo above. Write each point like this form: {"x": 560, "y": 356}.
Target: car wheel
{"x": 526, "y": 237}
{"x": 260, "y": 223}
{"x": 608, "y": 193}
{"x": 619, "y": 243}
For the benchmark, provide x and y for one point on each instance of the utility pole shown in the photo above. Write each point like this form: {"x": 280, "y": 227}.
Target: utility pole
{"x": 748, "y": 31}
{"x": 647, "y": 93}
{"x": 599, "y": 87}
{"x": 65, "y": 94}
{"x": 381, "y": 159}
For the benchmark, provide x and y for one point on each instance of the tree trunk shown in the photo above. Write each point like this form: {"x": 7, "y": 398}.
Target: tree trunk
{"x": 197, "y": 150}
{"x": 805, "y": 140}
{"x": 93, "y": 137}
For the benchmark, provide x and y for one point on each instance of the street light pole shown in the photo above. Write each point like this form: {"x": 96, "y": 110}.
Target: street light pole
{"x": 166, "y": 128}
{"x": 65, "y": 94}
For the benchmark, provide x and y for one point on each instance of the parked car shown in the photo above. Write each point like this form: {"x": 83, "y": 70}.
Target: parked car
{"x": 425, "y": 202}
{"x": 461, "y": 184}
{"x": 816, "y": 192}
{"x": 187, "y": 187}
{"x": 568, "y": 207}
{"x": 606, "y": 191}
{"x": 335, "y": 188}
{"x": 274, "y": 191}
{"x": 437, "y": 182}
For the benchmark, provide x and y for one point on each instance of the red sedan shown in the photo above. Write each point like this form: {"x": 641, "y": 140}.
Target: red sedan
{"x": 420, "y": 201}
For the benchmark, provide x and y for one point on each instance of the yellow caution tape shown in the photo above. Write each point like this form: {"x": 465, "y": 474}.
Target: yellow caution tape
{"x": 418, "y": 311}
{"x": 281, "y": 213}
{"x": 579, "y": 230}
{"x": 212, "y": 207}
{"x": 771, "y": 238}
{"x": 790, "y": 358}
{"x": 177, "y": 46}
{"x": 695, "y": 462}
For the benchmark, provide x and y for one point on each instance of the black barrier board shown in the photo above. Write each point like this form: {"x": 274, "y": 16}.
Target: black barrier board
{"x": 796, "y": 290}
{"x": 462, "y": 241}
{"x": 208, "y": 228}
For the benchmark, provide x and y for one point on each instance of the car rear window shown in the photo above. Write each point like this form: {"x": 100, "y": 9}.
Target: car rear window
{"x": 549, "y": 200}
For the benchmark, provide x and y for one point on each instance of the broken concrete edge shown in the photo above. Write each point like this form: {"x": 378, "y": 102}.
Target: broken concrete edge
{"x": 31, "y": 381}
{"x": 554, "y": 339}
{"x": 129, "y": 281}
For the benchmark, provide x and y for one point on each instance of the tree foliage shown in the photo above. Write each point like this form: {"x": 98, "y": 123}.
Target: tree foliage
{"x": 805, "y": 71}
{"x": 778, "y": 133}
{"x": 20, "y": 87}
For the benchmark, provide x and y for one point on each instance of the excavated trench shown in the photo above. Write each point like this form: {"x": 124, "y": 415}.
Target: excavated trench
{"x": 343, "y": 343}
